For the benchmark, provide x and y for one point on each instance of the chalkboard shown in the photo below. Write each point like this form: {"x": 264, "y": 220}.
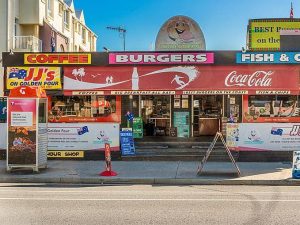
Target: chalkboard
{"x": 173, "y": 131}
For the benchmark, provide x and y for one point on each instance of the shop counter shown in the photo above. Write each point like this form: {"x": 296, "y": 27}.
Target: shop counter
{"x": 160, "y": 121}
{"x": 208, "y": 126}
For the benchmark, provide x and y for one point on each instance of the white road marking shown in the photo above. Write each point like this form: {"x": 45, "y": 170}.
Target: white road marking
{"x": 154, "y": 199}
{"x": 157, "y": 191}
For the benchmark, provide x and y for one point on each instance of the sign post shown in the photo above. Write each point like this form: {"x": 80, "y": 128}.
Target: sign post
{"x": 137, "y": 127}
{"x": 209, "y": 150}
{"x": 108, "y": 170}
{"x": 27, "y": 129}
{"x": 296, "y": 165}
{"x": 127, "y": 143}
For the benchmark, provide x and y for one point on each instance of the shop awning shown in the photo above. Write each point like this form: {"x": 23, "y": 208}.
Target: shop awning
{"x": 169, "y": 80}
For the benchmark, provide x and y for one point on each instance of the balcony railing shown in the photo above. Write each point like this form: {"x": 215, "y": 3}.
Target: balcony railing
{"x": 27, "y": 44}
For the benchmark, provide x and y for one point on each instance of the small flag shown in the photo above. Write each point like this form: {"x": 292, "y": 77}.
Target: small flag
{"x": 292, "y": 11}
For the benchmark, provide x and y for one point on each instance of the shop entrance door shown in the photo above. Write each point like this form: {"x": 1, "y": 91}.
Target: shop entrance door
{"x": 156, "y": 111}
{"x": 207, "y": 111}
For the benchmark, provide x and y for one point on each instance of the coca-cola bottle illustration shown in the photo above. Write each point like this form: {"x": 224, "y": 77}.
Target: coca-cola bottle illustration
{"x": 135, "y": 79}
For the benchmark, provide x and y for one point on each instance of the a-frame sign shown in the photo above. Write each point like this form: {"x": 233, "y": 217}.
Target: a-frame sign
{"x": 209, "y": 150}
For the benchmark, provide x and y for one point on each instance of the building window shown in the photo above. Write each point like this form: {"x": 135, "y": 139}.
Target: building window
{"x": 83, "y": 35}
{"x": 61, "y": 48}
{"x": 16, "y": 26}
{"x": 60, "y": 9}
{"x": 90, "y": 36}
{"x": 75, "y": 27}
{"x": 50, "y": 7}
{"x": 66, "y": 18}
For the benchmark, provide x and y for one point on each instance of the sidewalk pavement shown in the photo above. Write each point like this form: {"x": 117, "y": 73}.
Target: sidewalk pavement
{"x": 154, "y": 172}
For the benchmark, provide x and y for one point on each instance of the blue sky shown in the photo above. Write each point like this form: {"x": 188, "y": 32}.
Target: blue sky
{"x": 223, "y": 22}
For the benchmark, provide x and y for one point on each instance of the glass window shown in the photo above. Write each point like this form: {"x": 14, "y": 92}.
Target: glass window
{"x": 50, "y": 7}
{"x": 66, "y": 18}
{"x": 60, "y": 9}
{"x": 273, "y": 106}
{"x": 63, "y": 107}
{"x": 83, "y": 35}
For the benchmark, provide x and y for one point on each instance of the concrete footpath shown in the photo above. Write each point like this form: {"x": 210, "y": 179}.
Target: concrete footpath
{"x": 154, "y": 172}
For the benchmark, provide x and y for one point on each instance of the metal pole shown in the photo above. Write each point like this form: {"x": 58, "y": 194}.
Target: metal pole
{"x": 124, "y": 33}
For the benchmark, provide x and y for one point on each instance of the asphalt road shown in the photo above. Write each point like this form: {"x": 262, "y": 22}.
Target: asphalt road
{"x": 23, "y": 204}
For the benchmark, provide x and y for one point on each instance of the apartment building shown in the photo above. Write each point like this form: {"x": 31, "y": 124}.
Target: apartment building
{"x": 43, "y": 26}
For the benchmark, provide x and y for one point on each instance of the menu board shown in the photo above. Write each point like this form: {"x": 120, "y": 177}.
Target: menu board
{"x": 127, "y": 143}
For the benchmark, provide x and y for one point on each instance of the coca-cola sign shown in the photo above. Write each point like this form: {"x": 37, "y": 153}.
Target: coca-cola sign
{"x": 258, "y": 78}
{"x": 182, "y": 78}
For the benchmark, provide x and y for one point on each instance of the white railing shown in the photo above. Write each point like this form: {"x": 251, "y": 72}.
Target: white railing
{"x": 27, "y": 44}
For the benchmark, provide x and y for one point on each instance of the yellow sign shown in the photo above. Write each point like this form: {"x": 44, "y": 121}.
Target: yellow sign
{"x": 65, "y": 154}
{"x": 57, "y": 58}
{"x": 265, "y": 34}
{"x": 45, "y": 77}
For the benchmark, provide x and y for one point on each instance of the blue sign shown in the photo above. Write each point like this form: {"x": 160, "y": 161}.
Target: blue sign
{"x": 3, "y": 109}
{"x": 127, "y": 143}
{"x": 296, "y": 165}
{"x": 268, "y": 57}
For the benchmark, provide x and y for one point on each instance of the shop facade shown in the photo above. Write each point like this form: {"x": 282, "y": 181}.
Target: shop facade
{"x": 179, "y": 95}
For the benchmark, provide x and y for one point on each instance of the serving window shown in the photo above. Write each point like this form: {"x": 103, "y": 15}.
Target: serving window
{"x": 271, "y": 108}
{"x": 85, "y": 108}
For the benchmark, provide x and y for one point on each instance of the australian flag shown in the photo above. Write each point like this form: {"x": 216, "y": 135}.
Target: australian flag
{"x": 82, "y": 130}
{"x": 16, "y": 73}
{"x": 276, "y": 131}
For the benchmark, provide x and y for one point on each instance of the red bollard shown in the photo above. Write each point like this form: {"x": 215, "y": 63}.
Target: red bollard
{"x": 107, "y": 172}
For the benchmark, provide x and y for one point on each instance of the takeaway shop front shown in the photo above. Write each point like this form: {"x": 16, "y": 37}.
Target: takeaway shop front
{"x": 74, "y": 127}
{"x": 174, "y": 94}
{"x": 188, "y": 94}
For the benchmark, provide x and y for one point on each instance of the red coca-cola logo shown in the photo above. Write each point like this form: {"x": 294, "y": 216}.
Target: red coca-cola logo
{"x": 257, "y": 79}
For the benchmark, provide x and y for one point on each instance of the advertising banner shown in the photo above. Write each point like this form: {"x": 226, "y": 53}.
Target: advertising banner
{"x": 161, "y": 58}
{"x": 83, "y": 136}
{"x": 264, "y": 136}
{"x": 45, "y": 77}
{"x": 137, "y": 126}
{"x": 296, "y": 165}
{"x": 22, "y": 131}
{"x": 182, "y": 78}
{"x": 265, "y": 34}
{"x": 57, "y": 58}
{"x": 3, "y": 108}
{"x": 271, "y": 110}
{"x": 268, "y": 58}
{"x": 180, "y": 33}
{"x": 65, "y": 154}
